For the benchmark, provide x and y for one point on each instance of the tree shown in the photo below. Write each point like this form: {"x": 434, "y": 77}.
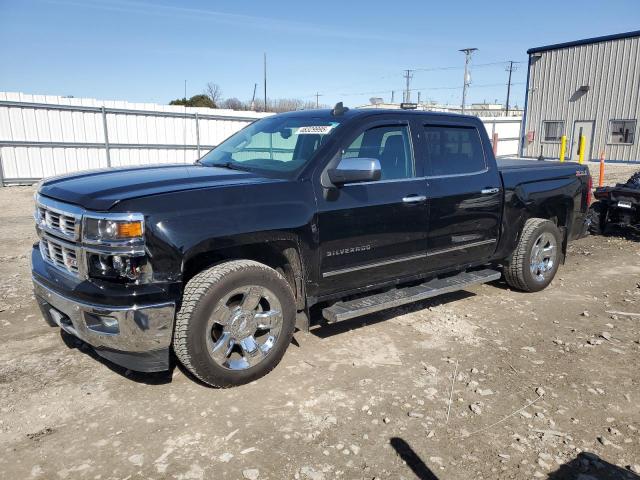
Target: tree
{"x": 233, "y": 104}
{"x": 214, "y": 92}
{"x": 179, "y": 101}
{"x": 200, "y": 100}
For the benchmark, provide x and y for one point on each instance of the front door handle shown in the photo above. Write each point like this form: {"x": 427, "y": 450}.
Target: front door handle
{"x": 489, "y": 191}
{"x": 414, "y": 199}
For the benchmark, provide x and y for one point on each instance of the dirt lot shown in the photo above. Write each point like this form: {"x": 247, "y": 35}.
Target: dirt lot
{"x": 545, "y": 385}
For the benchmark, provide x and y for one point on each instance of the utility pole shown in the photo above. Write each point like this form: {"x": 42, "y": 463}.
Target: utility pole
{"x": 408, "y": 75}
{"x": 318, "y": 95}
{"x": 253, "y": 98}
{"x": 467, "y": 78}
{"x": 393, "y": 95}
{"x": 511, "y": 68}
{"x": 418, "y": 98}
{"x": 265, "y": 81}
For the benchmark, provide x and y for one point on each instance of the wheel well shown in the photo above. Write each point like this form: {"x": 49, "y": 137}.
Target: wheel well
{"x": 558, "y": 213}
{"x": 282, "y": 256}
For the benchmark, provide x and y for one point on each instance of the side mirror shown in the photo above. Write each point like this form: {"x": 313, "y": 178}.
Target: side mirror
{"x": 354, "y": 170}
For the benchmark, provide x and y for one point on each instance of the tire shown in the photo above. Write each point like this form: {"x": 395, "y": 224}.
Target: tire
{"x": 217, "y": 317}
{"x": 526, "y": 273}
{"x": 596, "y": 216}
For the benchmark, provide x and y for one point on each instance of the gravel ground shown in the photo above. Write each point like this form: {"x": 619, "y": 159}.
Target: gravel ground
{"x": 487, "y": 383}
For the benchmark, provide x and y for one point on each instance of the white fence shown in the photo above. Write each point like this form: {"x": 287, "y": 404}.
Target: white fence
{"x": 42, "y": 136}
{"x": 507, "y": 130}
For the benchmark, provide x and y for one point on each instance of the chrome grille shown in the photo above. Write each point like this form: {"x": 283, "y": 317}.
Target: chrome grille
{"x": 60, "y": 254}
{"x": 58, "y": 223}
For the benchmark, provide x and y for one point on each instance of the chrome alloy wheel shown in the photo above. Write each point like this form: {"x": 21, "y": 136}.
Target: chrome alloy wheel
{"x": 543, "y": 256}
{"x": 244, "y": 327}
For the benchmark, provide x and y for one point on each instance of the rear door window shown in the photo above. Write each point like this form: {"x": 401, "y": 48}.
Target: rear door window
{"x": 453, "y": 150}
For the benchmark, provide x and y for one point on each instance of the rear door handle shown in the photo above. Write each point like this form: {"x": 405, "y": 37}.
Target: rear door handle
{"x": 414, "y": 199}
{"x": 489, "y": 191}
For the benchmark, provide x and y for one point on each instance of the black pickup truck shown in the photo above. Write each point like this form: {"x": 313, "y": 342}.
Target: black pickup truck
{"x": 324, "y": 214}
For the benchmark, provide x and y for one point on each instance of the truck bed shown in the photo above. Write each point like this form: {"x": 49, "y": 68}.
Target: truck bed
{"x": 511, "y": 163}
{"x": 519, "y": 171}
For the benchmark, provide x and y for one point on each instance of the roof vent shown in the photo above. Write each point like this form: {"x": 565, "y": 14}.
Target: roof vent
{"x": 339, "y": 109}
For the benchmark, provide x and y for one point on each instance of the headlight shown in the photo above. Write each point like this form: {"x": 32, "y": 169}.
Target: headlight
{"x": 115, "y": 247}
{"x": 127, "y": 268}
{"x": 117, "y": 229}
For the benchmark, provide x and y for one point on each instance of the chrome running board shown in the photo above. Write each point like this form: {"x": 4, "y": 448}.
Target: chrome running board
{"x": 401, "y": 296}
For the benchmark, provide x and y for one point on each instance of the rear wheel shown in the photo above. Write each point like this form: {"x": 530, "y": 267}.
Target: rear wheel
{"x": 535, "y": 260}
{"x": 235, "y": 323}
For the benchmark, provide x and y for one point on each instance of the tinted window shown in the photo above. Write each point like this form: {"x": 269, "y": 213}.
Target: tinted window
{"x": 390, "y": 145}
{"x": 454, "y": 150}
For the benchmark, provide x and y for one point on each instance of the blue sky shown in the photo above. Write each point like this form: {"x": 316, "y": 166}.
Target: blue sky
{"x": 144, "y": 50}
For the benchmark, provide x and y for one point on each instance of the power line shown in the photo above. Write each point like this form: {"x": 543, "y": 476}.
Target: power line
{"x": 371, "y": 92}
{"x": 414, "y": 70}
{"x": 458, "y": 67}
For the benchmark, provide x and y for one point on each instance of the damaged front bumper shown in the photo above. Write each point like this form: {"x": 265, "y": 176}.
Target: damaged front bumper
{"x": 136, "y": 337}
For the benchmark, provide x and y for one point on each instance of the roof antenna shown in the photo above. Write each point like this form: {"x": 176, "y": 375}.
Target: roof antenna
{"x": 339, "y": 109}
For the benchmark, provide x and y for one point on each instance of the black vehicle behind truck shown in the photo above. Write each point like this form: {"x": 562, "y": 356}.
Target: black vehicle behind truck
{"x": 617, "y": 206}
{"x": 337, "y": 211}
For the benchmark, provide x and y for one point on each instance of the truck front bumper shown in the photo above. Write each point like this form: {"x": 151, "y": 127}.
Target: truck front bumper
{"x": 136, "y": 337}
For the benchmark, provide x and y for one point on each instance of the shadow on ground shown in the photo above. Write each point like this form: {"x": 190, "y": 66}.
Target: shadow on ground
{"x": 325, "y": 330}
{"x": 412, "y": 459}
{"x": 586, "y": 466}
{"x": 589, "y": 466}
{"x": 154, "y": 378}
{"x": 628, "y": 233}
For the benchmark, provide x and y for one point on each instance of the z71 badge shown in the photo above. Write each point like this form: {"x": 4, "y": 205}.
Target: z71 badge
{"x": 343, "y": 251}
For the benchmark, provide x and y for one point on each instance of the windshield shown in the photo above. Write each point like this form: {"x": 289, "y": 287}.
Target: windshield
{"x": 273, "y": 144}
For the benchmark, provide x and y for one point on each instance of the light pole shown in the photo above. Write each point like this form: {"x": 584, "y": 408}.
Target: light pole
{"x": 467, "y": 80}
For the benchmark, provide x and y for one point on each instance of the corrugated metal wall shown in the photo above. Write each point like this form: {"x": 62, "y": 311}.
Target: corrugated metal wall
{"x": 41, "y": 136}
{"x": 611, "y": 69}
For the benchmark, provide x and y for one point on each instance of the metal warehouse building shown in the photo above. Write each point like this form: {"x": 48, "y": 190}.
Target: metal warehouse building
{"x": 588, "y": 87}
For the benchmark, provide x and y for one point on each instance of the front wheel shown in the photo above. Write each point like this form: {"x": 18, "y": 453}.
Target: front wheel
{"x": 535, "y": 260}
{"x": 235, "y": 323}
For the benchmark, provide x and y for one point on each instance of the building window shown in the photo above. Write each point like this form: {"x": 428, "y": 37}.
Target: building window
{"x": 622, "y": 132}
{"x": 553, "y": 131}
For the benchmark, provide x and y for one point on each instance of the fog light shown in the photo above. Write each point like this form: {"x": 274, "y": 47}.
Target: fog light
{"x": 102, "y": 324}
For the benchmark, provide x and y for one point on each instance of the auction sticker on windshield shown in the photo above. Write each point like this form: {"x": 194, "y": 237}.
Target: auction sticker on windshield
{"x": 314, "y": 130}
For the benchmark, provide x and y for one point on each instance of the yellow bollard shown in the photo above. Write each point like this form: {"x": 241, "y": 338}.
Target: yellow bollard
{"x": 563, "y": 147}
{"x": 581, "y": 154}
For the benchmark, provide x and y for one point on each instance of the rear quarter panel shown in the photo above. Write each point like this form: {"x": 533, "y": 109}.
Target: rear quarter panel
{"x": 553, "y": 191}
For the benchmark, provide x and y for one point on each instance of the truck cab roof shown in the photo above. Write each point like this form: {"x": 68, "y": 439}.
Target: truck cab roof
{"x": 370, "y": 112}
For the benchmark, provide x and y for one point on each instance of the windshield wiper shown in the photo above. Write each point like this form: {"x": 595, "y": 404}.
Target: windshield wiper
{"x": 230, "y": 166}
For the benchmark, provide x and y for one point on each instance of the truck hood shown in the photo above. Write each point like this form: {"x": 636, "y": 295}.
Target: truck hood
{"x": 100, "y": 190}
